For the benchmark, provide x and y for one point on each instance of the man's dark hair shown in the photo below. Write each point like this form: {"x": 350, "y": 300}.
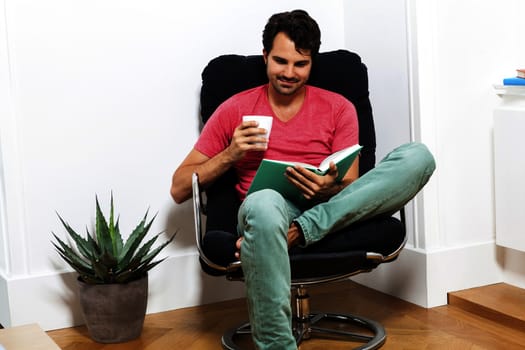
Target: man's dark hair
{"x": 298, "y": 26}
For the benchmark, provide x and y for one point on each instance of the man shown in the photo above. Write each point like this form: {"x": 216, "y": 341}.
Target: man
{"x": 308, "y": 124}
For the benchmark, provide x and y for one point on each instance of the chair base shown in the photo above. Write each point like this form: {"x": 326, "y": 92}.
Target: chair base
{"x": 368, "y": 333}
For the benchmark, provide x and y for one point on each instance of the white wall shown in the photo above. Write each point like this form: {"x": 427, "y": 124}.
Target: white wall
{"x": 102, "y": 96}
{"x": 457, "y": 51}
{"x": 459, "y": 64}
{"x": 388, "y": 78}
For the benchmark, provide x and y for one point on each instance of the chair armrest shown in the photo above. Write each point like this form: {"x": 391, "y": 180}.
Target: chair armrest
{"x": 199, "y": 210}
{"x": 380, "y": 258}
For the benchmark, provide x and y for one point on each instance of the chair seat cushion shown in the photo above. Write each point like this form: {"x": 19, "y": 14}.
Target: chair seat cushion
{"x": 345, "y": 251}
{"x": 340, "y": 252}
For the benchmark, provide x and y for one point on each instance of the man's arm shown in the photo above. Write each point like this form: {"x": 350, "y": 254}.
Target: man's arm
{"x": 207, "y": 168}
{"x": 246, "y": 137}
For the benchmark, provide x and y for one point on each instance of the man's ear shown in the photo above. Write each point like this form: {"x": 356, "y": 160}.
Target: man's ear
{"x": 265, "y": 56}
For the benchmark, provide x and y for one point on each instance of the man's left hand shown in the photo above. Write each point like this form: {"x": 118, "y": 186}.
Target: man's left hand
{"x": 315, "y": 187}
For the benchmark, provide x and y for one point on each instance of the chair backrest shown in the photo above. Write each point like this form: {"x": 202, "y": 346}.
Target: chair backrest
{"x": 339, "y": 71}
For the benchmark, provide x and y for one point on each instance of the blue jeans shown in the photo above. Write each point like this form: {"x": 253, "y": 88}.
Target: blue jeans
{"x": 265, "y": 216}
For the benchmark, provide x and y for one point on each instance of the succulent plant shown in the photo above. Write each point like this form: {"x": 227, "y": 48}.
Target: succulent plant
{"x": 104, "y": 257}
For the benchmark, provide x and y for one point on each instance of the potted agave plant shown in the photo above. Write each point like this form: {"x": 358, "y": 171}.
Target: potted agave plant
{"x": 113, "y": 275}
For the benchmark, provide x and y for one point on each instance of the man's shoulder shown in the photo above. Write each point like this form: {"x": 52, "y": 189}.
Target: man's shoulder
{"x": 239, "y": 103}
{"x": 325, "y": 94}
{"x": 252, "y": 93}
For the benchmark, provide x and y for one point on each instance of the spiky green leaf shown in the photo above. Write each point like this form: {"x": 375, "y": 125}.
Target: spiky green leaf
{"x": 118, "y": 242}
{"x": 134, "y": 240}
{"x": 95, "y": 249}
{"x": 71, "y": 254}
{"x": 114, "y": 232}
{"x": 151, "y": 255}
{"x": 83, "y": 246}
{"x": 74, "y": 264}
{"x": 101, "y": 271}
{"x": 142, "y": 262}
{"x": 102, "y": 230}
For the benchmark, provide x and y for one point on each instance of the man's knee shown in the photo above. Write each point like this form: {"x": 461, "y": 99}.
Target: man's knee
{"x": 418, "y": 157}
{"x": 266, "y": 207}
{"x": 420, "y": 163}
{"x": 424, "y": 158}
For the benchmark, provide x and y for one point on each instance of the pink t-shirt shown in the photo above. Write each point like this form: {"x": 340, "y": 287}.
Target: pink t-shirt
{"x": 326, "y": 122}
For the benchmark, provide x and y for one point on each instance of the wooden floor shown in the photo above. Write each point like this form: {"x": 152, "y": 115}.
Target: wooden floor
{"x": 408, "y": 326}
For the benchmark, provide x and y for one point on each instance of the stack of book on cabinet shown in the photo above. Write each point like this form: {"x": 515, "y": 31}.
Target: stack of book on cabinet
{"x": 519, "y": 79}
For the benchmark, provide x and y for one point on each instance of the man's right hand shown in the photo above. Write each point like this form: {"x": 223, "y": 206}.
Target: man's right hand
{"x": 247, "y": 137}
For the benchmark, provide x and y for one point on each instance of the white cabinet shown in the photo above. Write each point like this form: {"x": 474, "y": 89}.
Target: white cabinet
{"x": 509, "y": 169}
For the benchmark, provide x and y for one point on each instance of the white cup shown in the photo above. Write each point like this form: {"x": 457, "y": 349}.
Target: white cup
{"x": 264, "y": 121}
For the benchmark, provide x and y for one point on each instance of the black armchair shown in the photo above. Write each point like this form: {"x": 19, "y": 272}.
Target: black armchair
{"x": 358, "y": 248}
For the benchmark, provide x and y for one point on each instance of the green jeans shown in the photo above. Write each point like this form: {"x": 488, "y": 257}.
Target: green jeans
{"x": 265, "y": 216}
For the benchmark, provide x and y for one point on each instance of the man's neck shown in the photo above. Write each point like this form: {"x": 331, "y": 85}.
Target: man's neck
{"x": 285, "y": 107}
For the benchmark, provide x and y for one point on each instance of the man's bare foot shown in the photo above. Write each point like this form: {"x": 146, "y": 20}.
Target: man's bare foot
{"x": 295, "y": 237}
{"x": 238, "y": 246}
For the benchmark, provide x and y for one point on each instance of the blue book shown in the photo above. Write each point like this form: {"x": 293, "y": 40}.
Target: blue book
{"x": 514, "y": 81}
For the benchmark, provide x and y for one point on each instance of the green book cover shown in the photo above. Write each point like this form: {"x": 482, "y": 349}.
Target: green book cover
{"x": 270, "y": 173}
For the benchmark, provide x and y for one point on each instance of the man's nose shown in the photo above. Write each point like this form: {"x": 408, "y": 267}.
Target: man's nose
{"x": 289, "y": 71}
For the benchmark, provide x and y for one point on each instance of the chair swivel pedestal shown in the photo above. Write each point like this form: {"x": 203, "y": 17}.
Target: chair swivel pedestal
{"x": 344, "y": 327}
{"x": 308, "y": 324}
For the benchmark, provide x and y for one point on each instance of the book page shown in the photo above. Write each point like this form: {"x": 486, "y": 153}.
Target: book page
{"x": 291, "y": 163}
{"x": 336, "y": 157}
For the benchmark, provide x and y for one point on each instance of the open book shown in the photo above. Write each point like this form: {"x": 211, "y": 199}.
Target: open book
{"x": 270, "y": 173}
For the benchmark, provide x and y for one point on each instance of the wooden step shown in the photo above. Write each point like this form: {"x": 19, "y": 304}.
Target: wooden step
{"x": 27, "y": 337}
{"x": 501, "y": 302}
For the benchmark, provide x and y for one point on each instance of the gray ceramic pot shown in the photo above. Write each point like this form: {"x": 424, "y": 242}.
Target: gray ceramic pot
{"x": 114, "y": 313}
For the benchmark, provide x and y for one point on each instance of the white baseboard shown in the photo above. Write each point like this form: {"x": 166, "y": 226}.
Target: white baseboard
{"x": 404, "y": 278}
{"x": 425, "y": 278}
{"x": 513, "y": 267}
{"x": 5, "y": 318}
{"x": 52, "y": 300}
{"x": 420, "y": 277}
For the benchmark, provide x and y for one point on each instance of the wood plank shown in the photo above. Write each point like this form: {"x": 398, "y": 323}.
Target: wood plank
{"x": 480, "y": 330}
{"x": 27, "y": 337}
{"x": 499, "y": 302}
